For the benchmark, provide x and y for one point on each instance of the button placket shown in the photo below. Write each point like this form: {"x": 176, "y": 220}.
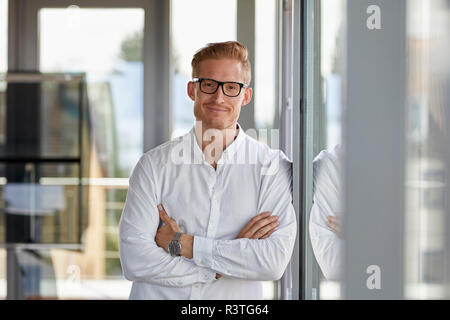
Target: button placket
{"x": 214, "y": 214}
{"x": 212, "y": 185}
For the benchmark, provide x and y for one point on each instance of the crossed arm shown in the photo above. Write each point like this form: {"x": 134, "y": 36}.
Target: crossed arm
{"x": 259, "y": 227}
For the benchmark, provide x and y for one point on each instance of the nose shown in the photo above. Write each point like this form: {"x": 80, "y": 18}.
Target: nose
{"x": 219, "y": 96}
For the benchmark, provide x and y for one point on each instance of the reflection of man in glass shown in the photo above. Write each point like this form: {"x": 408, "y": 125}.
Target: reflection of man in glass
{"x": 326, "y": 211}
{"x": 224, "y": 198}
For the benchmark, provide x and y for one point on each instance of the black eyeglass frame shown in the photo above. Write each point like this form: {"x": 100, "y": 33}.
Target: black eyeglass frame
{"x": 220, "y": 84}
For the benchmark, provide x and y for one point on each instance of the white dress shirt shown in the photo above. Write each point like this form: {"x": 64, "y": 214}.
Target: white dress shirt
{"x": 327, "y": 201}
{"x": 213, "y": 206}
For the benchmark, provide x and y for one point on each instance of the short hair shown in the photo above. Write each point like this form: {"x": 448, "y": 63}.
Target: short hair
{"x": 220, "y": 50}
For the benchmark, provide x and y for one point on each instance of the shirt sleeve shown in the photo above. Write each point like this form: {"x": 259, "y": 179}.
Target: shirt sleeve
{"x": 141, "y": 258}
{"x": 255, "y": 259}
{"x": 327, "y": 246}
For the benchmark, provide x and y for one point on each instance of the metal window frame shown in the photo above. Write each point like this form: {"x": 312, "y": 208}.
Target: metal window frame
{"x": 306, "y": 130}
{"x": 297, "y": 144}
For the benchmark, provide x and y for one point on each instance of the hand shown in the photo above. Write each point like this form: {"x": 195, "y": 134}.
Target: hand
{"x": 334, "y": 223}
{"x": 259, "y": 227}
{"x": 166, "y": 233}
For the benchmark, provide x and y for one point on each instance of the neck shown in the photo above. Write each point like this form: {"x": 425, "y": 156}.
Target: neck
{"x": 220, "y": 138}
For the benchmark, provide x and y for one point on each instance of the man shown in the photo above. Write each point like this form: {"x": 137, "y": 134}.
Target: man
{"x": 326, "y": 213}
{"x": 229, "y": 223}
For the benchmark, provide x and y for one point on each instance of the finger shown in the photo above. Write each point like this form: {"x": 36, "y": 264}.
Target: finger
{"x": 335, "y": 220}
{"x": 331, "y": 225}
{"x": 260, "y": 225}
{"x": 330, "y": 222}
{"x": 255, "y": 219}
{"x": 262, "y": 231}
{"x": 265, "y": 230}
{"x": 268, "y": 234}
{"x": 163, "y": 214}
{"x": 333, "y": 228}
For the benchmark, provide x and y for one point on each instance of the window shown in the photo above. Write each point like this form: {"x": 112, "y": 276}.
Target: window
{"x": 77, "y": 39}
{"x": 266, "y": 65}
{"x": 194, "y": 24}
{"x": 329, "y": 122}
{"x": 426, "y": 211}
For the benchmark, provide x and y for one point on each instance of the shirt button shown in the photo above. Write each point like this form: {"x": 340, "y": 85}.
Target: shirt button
{"x": 180, "y": 283}
{"x": 196, "y": 286}
{"x": 202, "y": 262}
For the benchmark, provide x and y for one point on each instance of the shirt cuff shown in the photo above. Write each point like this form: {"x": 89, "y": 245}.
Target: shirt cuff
{"x": 206, "y": 276}
{"x": 202, "y": 252}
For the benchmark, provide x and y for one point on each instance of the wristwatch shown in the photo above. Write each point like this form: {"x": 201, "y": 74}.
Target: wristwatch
{"x": 175, "y": 245}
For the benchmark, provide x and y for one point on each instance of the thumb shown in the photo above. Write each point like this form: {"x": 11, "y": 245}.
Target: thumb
{"x": 162, "y": 214}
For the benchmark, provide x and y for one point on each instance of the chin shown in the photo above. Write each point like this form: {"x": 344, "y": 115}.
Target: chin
{"x": 216, "y": 124}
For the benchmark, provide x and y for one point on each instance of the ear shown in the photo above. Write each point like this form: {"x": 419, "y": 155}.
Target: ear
{"x": 247, "y": 96}
{"x": 190, "y": 90}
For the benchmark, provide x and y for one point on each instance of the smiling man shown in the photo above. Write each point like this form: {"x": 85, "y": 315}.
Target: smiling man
{"x": 221, "y": 221}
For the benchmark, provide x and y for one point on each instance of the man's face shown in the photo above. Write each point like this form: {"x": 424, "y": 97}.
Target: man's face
{"x": 217, "y": 110}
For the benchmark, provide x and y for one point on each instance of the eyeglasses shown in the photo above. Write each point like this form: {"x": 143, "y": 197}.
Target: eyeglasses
{"x": 230, "y": 89}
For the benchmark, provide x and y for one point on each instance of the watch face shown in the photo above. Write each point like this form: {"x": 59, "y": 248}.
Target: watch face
{"x": 174, "y": 248}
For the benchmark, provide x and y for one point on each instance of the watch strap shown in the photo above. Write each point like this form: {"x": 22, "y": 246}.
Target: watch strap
{"x": 177, "y": 236}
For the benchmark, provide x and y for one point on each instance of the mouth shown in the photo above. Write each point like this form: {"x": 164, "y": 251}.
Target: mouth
{"x": 217, "y": 109}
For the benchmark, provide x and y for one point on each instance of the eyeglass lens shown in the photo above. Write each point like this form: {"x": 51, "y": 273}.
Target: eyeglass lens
{"x": 229, "y": 88}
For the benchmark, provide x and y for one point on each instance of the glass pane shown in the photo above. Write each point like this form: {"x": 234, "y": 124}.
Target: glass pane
{"x": 332, "y": 69}
{"x": 111, "y": 54}
{"x": 426, "y": 146}
{"x": 266, "y": 65}
{"x": 62, "y": 274}
{"x": 91, "y": 41}
{"x": 55, "y": 105}
{"x": 195, "y": 15}
{"x": 39, "y": 203}
{"x": 329, "y": 121}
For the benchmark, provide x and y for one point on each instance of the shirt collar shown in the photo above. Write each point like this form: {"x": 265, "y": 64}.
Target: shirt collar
{"x": 227, "y": 154}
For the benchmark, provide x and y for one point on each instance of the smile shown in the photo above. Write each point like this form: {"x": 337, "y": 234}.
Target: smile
{"x": 214, "y": 109}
